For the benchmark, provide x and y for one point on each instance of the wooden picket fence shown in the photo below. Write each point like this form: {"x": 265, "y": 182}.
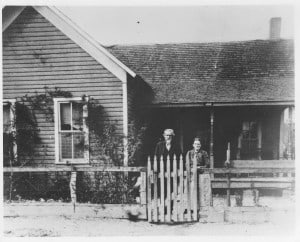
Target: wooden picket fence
{"x": 172, "y": 194}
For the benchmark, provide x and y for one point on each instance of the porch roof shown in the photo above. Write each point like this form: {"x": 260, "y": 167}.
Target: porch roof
{"x": 245, "y": 71}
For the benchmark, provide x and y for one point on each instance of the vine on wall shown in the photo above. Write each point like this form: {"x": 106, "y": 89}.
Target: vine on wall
{"x": 106, "y": 145}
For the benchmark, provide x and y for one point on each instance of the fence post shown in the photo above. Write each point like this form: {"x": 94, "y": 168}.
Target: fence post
{"x": 175, "y": 187}
{"x": 143, "y": 188}
{"x": 162, "y": 189}
{"x": 194, "y": 191}
{"x": 168, "y": 190}
{"x": 149, "y": 202}
{"x": 181, "y": 189}
{"x": 155, "y": 215}
{"x": 228, "y": 189}
{"x": 73, "y": 187}
{"x": 188, "y": 188}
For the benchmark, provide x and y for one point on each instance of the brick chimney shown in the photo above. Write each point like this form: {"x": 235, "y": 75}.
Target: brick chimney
{"x": 275, "y": 27}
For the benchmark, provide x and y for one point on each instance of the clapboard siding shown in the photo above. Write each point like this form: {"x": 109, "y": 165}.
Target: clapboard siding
{"x": 130, "y": 102}
{"x": 59, "y": 61}
{"x": 36, "y": 54}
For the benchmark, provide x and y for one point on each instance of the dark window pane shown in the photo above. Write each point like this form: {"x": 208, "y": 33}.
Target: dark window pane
{"x": 65, "y": 116}
{"x": 6, "y": 118}
{"x": 253, "y": 130}
{"x": 77, "y": 116}
{"x": 78, "y": 141}
{"x": 7, "y": 148}
{"x": 66, "y": 145}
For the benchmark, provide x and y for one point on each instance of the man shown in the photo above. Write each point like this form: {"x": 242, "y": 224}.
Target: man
{"x": 197, "y": 153}
{"x": 168, "y": 147}
{"x": 163, "y": 148}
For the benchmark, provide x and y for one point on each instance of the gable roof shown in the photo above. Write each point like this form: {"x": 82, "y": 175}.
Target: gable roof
{"x": 69, "y": 28}
{"x": 246, "y": 71}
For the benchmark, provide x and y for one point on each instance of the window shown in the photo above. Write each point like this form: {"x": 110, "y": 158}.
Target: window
{"x": 249, "y": 144}
{"x": 71, "y": 132}
{"x": 249, "y": 139}
{"x": 9, "y": 141}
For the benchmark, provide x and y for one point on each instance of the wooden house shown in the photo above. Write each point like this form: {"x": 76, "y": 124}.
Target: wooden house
{"x": 43, "y": 48}
{"x": 240, "y": 93}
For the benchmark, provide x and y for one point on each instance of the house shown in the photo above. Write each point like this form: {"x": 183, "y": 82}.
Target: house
{"x": 43, "y": 48}
{"x": 240, "y": 93}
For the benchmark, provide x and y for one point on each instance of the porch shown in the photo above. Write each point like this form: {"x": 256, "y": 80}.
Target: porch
{"x": 252, "y": 132}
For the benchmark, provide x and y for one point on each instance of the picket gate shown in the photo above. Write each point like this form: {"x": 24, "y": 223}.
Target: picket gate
{"x": 172, "y": 193}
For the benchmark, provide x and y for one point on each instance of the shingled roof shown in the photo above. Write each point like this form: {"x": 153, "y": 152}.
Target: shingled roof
{"x": 246, "y": 71}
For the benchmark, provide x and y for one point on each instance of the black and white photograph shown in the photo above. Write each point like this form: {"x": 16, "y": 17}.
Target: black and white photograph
{"x": 148, "y": 120}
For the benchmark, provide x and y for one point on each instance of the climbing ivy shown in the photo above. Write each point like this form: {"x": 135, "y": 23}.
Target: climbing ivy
{"x": 107, "y": 145}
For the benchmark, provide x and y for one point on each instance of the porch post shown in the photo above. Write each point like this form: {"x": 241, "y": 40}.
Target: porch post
{"x": 181, "y": 129}
{"x": 211, "y": 147}
{"x": 259, "y": 137}
{"x": 290, "y": 136}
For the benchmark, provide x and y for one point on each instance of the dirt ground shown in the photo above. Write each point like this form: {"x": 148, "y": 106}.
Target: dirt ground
{"x": 56, "y": 226}
{"x": 68, "y": 226}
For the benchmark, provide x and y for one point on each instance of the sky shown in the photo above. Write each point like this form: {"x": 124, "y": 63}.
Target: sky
{"x": 179, "y": 24}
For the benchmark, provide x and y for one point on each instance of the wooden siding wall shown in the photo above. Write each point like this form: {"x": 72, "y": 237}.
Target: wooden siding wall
{"x": 130, "y": 101}
{"x": 37, "y": 54}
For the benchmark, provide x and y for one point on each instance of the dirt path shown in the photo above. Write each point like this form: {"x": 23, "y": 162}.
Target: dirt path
{"x": 70, "y": 226}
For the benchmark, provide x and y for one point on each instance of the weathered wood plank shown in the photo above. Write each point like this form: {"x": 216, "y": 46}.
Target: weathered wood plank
{"x": 61, "y": 55}
{"x": 263, "y": 163}
{"x": 149, "y": 200}
{"x": 256, "y": 179}
{"x": 168, "y": 218}
{"x": 22, "y": 39}
{"x": 73, "y": 188}
{"x": 33, "y": 34}
{"x": 162, "y": 190}
{"x": 194, "y": 191}
{"x": 143, "y": 188}
{"x": 16, "y": 29}
{"x": 37, "y": 39}
{"x": 49, "y": 72}
{"x": 23, "y": 68}
{"x": 155, "y": 211}
{"x": 247, "y": 170}
{"x": 55, "y": 61}
{"x": 252, "y": 185}
{"x": 181, "y": 208}
{"x": 72, "y": 88}
{"x": 57, "y": 77}
{"x": 33, "y": 23}
{"x": 228, "y": 191}
{"x": 175, "y": 187}
{"x": 47, "y": 45}
{"x": 85, "y": 168}
{"x": 188, "y": 189}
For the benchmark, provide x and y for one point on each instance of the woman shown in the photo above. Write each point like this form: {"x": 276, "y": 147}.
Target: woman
{"x": 197, "y": 153}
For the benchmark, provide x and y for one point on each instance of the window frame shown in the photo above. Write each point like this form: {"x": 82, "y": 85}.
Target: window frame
{"x": 258, "y": 141}
{"x": 12, "y": 120}
{"x": 85, "y": 130}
